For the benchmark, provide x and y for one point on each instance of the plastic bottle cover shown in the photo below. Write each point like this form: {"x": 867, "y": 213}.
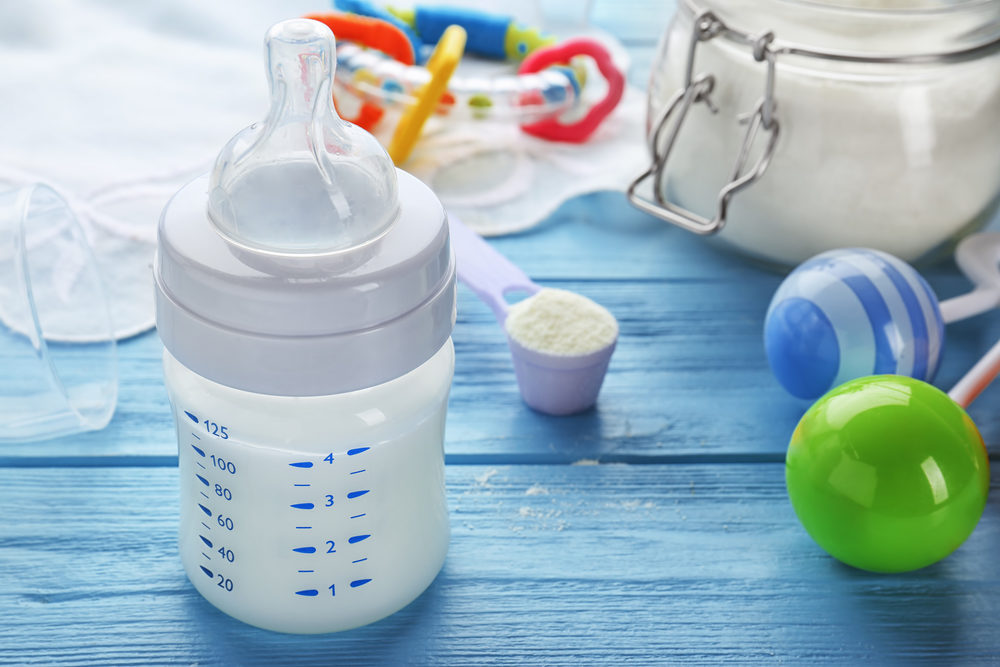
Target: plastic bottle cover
{"x": 300, "y": 264}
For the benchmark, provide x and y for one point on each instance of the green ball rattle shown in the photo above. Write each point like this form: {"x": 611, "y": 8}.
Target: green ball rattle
{"x": 888, "y": 473}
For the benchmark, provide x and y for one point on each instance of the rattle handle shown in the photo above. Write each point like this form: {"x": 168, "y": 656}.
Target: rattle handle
{"x": 977, "y": 256}
{"x": 978, "y": 378}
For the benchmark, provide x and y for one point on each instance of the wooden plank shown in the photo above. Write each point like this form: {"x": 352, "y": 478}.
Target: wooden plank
{"x": 605, "y": 564}
{"x": 689, "y": 381}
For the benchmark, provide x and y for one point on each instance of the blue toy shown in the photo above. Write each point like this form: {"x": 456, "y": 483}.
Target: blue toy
{"x": 849, "y": 313}
{"x": 846, "y": 314}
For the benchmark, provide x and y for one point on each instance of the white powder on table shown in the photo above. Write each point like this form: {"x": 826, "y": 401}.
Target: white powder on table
{"x": 561, "y": 322}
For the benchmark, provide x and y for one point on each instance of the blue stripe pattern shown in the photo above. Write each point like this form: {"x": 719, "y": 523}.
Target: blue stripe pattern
{"x": 918, "y": 322}
{"x": 850, "y": 313}
{"x": 879, "y": 318}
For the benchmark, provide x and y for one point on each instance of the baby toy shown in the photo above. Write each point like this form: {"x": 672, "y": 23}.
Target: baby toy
{"x": 889, "y": 474}
{"x": 490, "y": 35}
{"x": 850, "y": 313}
{"x": 550, "y": 81}
{"x": 885, "y": 472}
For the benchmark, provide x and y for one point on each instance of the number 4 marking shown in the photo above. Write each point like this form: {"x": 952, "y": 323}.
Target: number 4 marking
{"x": 329, "y": 458}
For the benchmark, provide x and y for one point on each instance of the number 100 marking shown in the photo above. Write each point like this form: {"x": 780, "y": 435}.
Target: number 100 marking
{"x": 224, "y": 465}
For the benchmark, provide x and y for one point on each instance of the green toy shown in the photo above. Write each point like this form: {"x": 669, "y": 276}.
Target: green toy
{"x": 888, "y": 473}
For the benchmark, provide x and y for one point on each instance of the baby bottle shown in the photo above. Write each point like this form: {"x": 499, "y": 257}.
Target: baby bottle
{"x": 305, "y": 299}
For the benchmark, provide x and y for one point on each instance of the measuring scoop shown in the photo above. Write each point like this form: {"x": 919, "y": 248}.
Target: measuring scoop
{"x": 551, "y": 383}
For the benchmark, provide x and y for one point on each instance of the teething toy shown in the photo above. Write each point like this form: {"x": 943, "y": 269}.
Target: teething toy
{"x": 368, "y": 9}
{"x": 441, "y": 65}
{"x": 551, "y": 128}
{"x": 549, "y": 83}
{"x": 850, "y": 313}
{"x": 489, "y": 35}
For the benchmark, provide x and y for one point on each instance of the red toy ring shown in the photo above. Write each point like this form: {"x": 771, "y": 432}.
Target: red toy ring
{"x": 579, "y": 131}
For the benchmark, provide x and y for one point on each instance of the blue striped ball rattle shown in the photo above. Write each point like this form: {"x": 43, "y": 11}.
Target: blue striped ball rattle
{"x": 850, "y": 313}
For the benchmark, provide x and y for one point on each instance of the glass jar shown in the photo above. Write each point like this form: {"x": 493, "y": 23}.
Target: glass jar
{"x": 791, "y": 127}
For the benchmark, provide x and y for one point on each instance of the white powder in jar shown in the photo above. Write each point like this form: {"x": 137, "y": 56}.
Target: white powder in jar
{"x": 899, "y": 157}
{"x": 561, "y": 322}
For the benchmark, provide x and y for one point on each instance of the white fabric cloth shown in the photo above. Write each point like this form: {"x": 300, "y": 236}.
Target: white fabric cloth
{"x": 500, "y": 180}
{"x": 117, "y": 104}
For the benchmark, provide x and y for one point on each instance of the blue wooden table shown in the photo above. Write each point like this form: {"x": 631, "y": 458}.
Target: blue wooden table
{"x": 653, "y": 529}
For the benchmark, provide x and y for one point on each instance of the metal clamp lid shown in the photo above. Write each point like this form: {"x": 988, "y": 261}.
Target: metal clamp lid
{"x": 697, "y": 89}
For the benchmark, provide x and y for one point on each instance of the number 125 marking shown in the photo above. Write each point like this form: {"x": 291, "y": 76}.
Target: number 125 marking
{"x": 214, "y": 429}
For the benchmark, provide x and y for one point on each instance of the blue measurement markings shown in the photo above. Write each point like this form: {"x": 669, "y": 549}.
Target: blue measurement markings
{"x": 205, "y": 509}
{"x": 201, "y": 452}
{"x": 191, "y": 417}
{"x": 207, "y": 571}
{"x": 207, "y": 527}
{"x": 202, "y": 479}
{"x": 354, "y": 539}
{"x": 206, "y": 541}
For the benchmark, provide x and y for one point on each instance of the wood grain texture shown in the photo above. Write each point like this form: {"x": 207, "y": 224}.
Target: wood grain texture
{"x": 608, "y": 564}
{"x": 689, "y": 380}
{"x": 682, "y": 547}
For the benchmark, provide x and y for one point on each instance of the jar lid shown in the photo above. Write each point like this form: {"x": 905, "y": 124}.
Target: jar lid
{"x": 863, "y": 31}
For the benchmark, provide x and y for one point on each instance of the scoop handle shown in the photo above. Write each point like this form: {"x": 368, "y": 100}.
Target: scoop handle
{"x": 484, "y": 270}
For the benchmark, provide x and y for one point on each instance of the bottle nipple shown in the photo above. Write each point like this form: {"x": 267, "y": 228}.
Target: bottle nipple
{"x": 302, "y": 181}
